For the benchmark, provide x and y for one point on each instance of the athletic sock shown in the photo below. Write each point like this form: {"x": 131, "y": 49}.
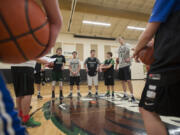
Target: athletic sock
{"x": 132, "y": 95}
{"x": 20, "y": 114}
{"x": 39, "y": 93}
{"x": 26, "y": 118}
{"x": 70, "y": 91}
{"x": 78, "y": 91}
{"x": 61, "y": 93}
{"x": 125, "y": 94}
{"x": 89, "y": 91}
{"x": 96, "y": 91}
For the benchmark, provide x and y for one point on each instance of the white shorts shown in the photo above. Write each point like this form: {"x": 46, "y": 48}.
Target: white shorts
{"x": 92, "y": 79}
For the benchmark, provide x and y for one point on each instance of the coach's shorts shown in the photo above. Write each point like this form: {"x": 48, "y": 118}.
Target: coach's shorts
{"x": 57, "y": 76}
{"x": 161, "y": 98}
{"x": 23, "y": 80}
{"x": 37, "y": 78}
{"x": 74, "y": 80}
{"x": 92, "y": 80}
{"x": 125, "y": 73}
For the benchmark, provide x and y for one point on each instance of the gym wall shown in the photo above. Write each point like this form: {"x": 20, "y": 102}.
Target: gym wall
{"x": 83, "y": 47}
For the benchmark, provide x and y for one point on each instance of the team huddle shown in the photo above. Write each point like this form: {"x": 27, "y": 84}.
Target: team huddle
{"x": 92, "y": 66}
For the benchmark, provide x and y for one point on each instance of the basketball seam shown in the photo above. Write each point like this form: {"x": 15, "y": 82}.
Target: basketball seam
{"x": 13, "y": 38}
{"x": 24, "y": 34}
{"x": 29, "y": 25}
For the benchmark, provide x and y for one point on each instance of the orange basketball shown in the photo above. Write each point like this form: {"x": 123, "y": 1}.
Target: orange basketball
{"x": 146, "y": 55}
{"x": 24, "y": 31}
{"x": 50, "y": 65}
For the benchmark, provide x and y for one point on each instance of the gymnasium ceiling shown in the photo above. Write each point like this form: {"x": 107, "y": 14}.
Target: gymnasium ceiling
{"x": 119, "y": 13}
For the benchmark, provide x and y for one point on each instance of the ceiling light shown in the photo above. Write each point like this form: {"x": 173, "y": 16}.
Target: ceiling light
{"x": 96, "y": 23}
{"x": 136, "y": 28}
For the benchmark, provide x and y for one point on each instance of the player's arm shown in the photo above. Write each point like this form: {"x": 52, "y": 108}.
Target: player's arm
{"x": 85, "y": 65}
{"x": 42, "y": 61}
{"x": 79, "y": 67}
{"x": 98, "y": 66}
{"x": 64, "y": 63}
{"x": 145, "y": 37}
{"x": 55, "y": 21}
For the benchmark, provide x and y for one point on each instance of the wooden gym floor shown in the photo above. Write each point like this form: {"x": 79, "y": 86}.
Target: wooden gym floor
{"x": 89, "y": 116}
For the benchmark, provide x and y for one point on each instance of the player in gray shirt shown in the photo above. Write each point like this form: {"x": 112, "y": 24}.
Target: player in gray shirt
{"x": 124, "y": 62}
{"x": 74, "y": 68}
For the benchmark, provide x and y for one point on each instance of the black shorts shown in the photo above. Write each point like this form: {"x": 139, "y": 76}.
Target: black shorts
{"x": 37, "y": 78}
{"x": 161, "y": 98}
{"x": 75, "y": 80}
{"x": 23, "y": 80}
{"x": 109, "y": 80}
{"x": 125, "y": 73}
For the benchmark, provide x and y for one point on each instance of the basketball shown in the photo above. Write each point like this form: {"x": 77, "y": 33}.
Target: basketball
{"x": 146, "y": 55}
{"x": 24, "y": 31}
{"x": 50, "y": 65}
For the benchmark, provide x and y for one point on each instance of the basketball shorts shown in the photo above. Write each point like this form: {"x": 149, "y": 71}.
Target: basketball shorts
{"x": 23, "y": 80}
{"x": 37, "y": 78}
{"x": 109, "y": 80}
{"x": 125, "y": 73}
{"x": 162, "y": 99}
{"x": 74, "y": 80}
{"x": 57, "y": 76}
{"x": 92, "y": 80}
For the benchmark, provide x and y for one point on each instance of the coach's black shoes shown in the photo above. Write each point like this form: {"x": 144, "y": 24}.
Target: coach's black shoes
{"x": 89, "y": 94}
{"x": 107, "y": 94}
{"x": 53, "y": 95}
{"x": 125, "y": 97}
{"x": 132, "y": 99}
{"x": 39, "y": 97}
{"x": 70, "y": 95}
{"x": 79, "y": 94}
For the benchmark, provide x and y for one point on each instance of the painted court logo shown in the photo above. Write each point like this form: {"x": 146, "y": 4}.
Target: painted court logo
{"x": 99, "y": 116}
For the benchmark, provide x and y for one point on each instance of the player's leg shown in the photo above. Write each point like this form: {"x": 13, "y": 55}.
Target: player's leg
{"x": 71, "y": 87}
{"x": 37, "y": 77}
{"x": 53, "y": 83}
{"x": 90, "y": 82}
{"x": 112, "y": 85}
{"x": 123, "y": 83}
{"x": 153, "y": 123}
{"x": 95, "y": 78}
{"x": 28, "y": 91}
{"x": 78, "y": 86}
{"x": 106, "y": 81}
{"x": 127, "y": 73}
{"x": 19, "y": 107}
{"x": 61, "y": 89}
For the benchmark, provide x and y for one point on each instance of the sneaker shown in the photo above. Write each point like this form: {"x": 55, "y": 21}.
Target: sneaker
{"x": 61, "y": 95}
{"x": 53, "y": 95}
{"x": 132, "y": 99}
{"x": 89, "y": 94}
{"x": 107, "y": 94}
{"x": 113, "y": 94}
{"x": 125, "y": 97}
{"x": 79, "y": 94}
{"x": 39, "y": 97}
{"x": 70, "y": 95}
{"x": 32, "y": 123}
{"x": 96, "y": 95}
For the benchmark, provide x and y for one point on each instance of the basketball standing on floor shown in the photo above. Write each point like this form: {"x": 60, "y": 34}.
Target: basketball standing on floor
{"x": 57, "y": 72}
{"x": 124, "y": 63}
{"x": 91, "y": 65}
{"x": 108, "y": 66}
{"x": 162, "y": 89}
{"x": 74, "y": 68}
